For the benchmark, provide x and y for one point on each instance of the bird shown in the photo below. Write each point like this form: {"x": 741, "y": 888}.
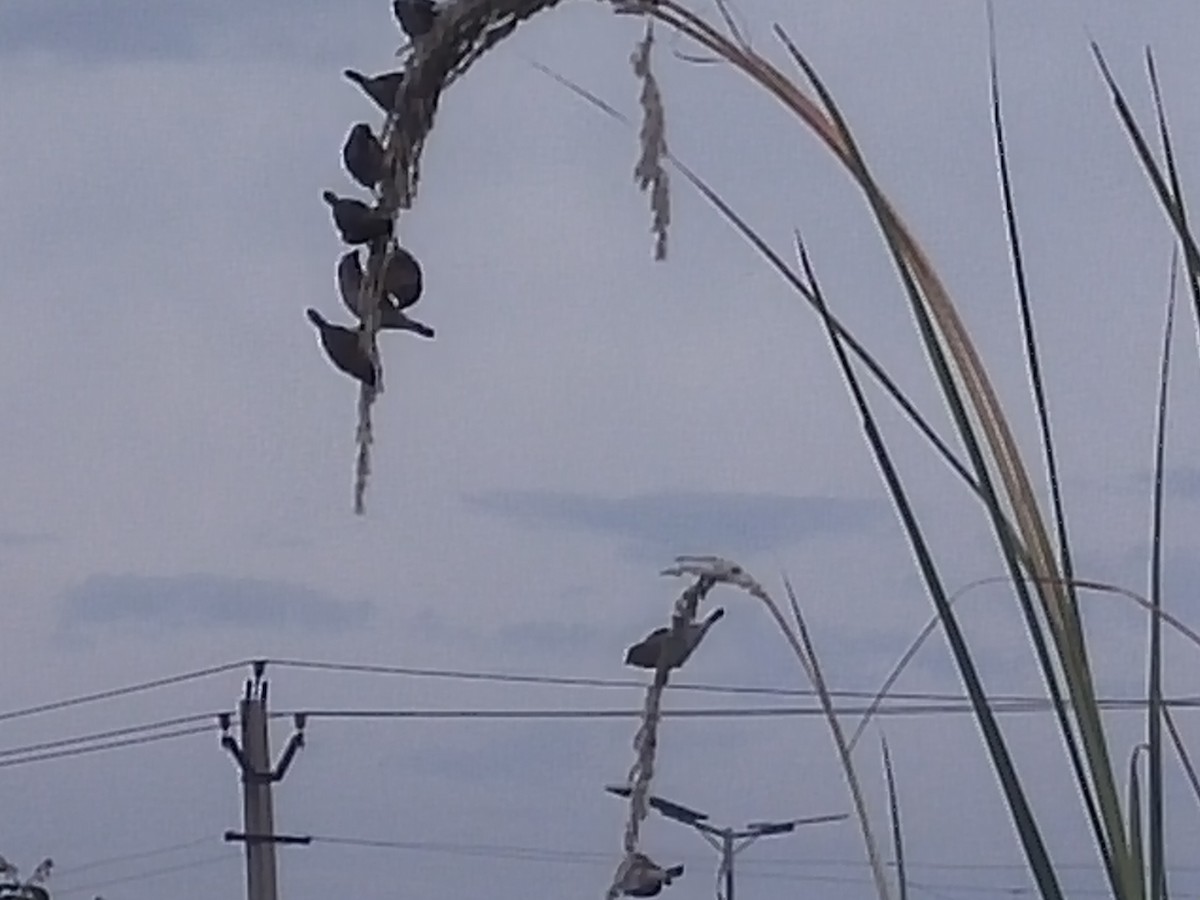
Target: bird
{"x": 391, "y": 316}
{"x": 342, "y": 347}
{"x": 645, "y": 654}
{"x": 415, "y": 17}
{"x": 357, "y": 222}
{"x": 380, "y": 88}
{"x": 402, "y": 278}
{"x": 645, "y": 878}
{"x": 362, "y": 155}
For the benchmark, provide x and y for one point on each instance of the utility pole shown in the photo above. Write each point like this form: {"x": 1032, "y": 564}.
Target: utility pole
{"x": 253, "y": 757}
{"x": 727, "y": 852}
{"x": 727, "y": 841}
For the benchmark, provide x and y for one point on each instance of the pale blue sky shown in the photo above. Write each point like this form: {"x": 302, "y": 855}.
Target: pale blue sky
{"x": 180, "y": 454}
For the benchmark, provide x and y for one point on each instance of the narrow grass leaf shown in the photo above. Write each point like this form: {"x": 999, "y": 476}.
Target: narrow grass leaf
{"x": 1185, "y": 759}
{"x": 1135, "y": 815}
{"x": 897, "y": 832}
{"x": 1042, "y": 409}
{"x": 1027, "y": 829}
{"x": 1154, "y": 707}
{"x": 1190, "y": 250}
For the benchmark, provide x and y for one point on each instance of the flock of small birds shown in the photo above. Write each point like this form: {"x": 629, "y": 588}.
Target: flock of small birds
{"x": 359, "y": 223}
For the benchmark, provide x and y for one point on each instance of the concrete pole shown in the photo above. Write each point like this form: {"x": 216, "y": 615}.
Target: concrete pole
{"x": 257, "y": 813}
{"x": 727, "y": 861}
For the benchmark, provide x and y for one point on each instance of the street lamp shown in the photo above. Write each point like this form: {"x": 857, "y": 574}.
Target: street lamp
{"x": 726, "y": 841}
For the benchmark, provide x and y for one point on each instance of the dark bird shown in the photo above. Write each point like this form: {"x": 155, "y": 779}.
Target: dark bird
{"x": 362, "y": 155}
{"x": 402, "y": 278}
{"x": 391, "y": 316}
{"x": 416, "y": 17}
{"x": 644, "y": 655}
{"x": 357, "y": 222}
{"x": 645, "y": 878}
{"x": 380, "y": 88}
{"x": 341, "y": 346}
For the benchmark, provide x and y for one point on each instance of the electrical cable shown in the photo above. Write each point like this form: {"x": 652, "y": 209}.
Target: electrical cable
{"x": 897, "y": 710}
{"x": 110, "y": 745}
{"x": 122, "y": 691}
{"x": 227, "y": 856}
{"x": 104, "y": 735}
{"x": 747, "y": 868}
{"x": 131, "y": 857}
{"x": 627, "y": 683}
{"x": 931, "y": 700}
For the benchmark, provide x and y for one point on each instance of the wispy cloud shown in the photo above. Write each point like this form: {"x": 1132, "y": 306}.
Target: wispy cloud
{"x": 198, "y": 601}
{"x": 661, "y": 524}
{"x": 14, "y": 539}
{"x": 124, "y": 31}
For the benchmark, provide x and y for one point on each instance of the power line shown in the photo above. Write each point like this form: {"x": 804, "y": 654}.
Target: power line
{"x": 626, "y": 683}
{"x": 227, "y": 856}
{"x": 916, "y": 702}
{"x": 130, "y": 857}
{"x": 735, "y": 712}
{"x": 103, "y": 735}
{"x": 121, "y": 691}
{"x": 109, "y": 745}
{"x": 591, "y": 857}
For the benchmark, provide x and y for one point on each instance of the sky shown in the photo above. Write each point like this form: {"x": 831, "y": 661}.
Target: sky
{"x": 179, "y": 453}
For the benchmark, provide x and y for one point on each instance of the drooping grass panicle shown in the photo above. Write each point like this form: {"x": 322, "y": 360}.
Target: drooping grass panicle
{"x": 802, "y": 646}
{"x": 650, "y": 173}
{"x": 463, "y": 31}
{"x": 645, "y": 742}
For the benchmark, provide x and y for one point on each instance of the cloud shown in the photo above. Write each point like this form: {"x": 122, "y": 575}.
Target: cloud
{"x": 98, "y": 32}
{"x": 667, "y": 522}
{"x": 13, "y": 539}
{"x": 173, "y": 603}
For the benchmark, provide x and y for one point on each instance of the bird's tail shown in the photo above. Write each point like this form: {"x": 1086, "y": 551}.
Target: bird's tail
{"x": 420, "y": 328}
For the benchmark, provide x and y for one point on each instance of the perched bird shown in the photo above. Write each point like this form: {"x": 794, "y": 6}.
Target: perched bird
{"x": 341, "y": 346}
{"x": 380, "y": 88}
{"x": 362, "y": 155}
{"x": 645, "y": 878}
{"x": 416, "y": 17}
{"x": 357, "y": 222}
{"x": 644, "y": 655}
{"x": 391, "y": 316}
{"x": 349, "y": 279}
{"x": 402, "y": 278}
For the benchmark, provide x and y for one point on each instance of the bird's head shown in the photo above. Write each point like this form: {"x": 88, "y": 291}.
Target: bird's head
{"x": 714, "y": 616}
{"x": 356, "y": 77}
{"x": 315, "y": 317}
{"x": 329, "y": 197}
